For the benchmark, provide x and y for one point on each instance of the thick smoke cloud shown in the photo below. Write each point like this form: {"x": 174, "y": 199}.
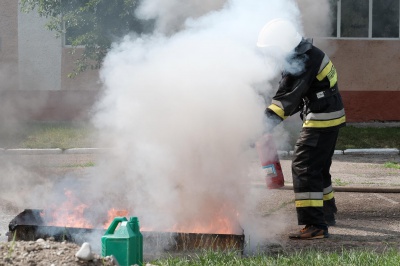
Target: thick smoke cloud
{"x": 182, "y": 110}
{"x": 315, "y": 17}
{"x": 171, "y": 15}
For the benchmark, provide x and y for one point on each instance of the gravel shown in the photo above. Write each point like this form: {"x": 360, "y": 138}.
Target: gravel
{"x": 46, "y": 252}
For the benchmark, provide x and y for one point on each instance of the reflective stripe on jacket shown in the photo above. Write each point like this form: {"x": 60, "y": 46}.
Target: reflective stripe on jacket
{"x": 317, "y": 76}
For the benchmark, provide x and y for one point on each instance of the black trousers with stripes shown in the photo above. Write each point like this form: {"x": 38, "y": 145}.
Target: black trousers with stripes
{"x": 311, "y": 171}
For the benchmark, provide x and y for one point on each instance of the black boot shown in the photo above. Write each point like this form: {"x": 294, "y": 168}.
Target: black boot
{"x": 330, "y": 219}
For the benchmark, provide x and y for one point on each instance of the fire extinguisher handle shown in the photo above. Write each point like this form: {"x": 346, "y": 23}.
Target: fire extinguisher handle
{"x": 114, "y": 225}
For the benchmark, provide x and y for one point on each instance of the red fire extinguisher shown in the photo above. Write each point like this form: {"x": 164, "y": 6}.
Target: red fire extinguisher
{"x": 270, "y": 163}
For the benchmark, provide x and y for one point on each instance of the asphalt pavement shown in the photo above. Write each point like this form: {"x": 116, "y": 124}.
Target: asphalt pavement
{"x": 361, "y": 214}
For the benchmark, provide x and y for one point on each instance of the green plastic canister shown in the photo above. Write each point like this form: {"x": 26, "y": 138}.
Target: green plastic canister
{"x": 125, "y": 243}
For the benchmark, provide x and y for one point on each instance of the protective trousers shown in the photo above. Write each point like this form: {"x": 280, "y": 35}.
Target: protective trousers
{"x": 311, "y": 178}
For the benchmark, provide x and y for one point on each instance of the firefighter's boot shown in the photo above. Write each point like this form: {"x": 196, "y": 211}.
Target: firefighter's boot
{"x": 310, "y": 232}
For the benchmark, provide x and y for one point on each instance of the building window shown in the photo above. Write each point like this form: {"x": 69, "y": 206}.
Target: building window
{"x": 385, "y": 19}
{"x": 72, "y": 33}
{"x": 365, "y": 18}
{"x": 101, "y": 21}
{"x": 354, "y": 18}
{"x": 334, "y": 17}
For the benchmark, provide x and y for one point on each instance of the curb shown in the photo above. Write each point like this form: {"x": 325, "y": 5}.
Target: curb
{"x": 53, "y": 151}
{"x": 32, "y": 151}
{"x": 339, "y": 189}
{"x": 85, "y": 151}
{"x": 371, "y": 151}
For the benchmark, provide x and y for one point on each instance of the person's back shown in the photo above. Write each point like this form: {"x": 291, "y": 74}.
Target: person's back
{"x": 308, "y": 85}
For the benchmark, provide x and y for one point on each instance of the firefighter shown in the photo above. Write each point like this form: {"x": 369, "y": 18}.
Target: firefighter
{"x": 309, "y": 86}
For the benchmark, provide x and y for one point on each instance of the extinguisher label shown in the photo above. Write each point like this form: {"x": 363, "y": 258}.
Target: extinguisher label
{"x": 269, "y": 170}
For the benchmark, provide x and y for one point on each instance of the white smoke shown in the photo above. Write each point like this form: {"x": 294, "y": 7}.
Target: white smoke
{"x": 181, "y": 108}
{"x": 171, "y": 15}
{"x": 316, "y": 17}
{"x": 181, "y": 111}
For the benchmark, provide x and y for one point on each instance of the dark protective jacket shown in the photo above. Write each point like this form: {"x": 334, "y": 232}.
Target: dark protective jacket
{"x": 311, "y": 88}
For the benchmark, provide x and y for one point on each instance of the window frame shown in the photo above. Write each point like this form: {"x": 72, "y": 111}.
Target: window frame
{"x": 370, "y": 22}
{"x": 64, "y": 39}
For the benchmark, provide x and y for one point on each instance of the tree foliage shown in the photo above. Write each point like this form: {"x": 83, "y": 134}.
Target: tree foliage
{"x": 93, "y": 24}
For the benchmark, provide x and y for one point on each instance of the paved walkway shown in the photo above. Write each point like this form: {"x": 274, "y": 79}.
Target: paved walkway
{"x": 361, "y": 214}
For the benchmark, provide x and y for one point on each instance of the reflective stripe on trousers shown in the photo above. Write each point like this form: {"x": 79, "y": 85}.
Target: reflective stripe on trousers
{"x": 310, "y": 171}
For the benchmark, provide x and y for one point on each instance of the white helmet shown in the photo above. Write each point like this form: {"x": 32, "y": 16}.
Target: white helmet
{"x": 279, "y": 34}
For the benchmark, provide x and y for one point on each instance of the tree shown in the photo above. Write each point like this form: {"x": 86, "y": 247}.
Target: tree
{"x": 94, "y": 24}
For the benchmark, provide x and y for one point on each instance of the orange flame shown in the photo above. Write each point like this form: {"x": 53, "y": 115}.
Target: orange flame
{"x": 112, "y": 213}
{"x": 215, "y": 221}
{"x": 217, "y": 224}
{"x": 221, "y": 225}
{"x": 71, "y": 213}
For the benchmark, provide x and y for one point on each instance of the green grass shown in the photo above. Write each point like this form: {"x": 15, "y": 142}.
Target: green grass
{"x": 47, "y": 135}
{"x": 339, "y": 182}
{"x": 300, "y": 258}
{"x": 351, "y": 137}
{"x": 80, "y": 165}
{"x": 393, "y": 165}
{"x": 70, "y": 135}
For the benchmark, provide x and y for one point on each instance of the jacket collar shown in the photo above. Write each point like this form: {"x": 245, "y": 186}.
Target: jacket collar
{"x": 304, "y": 46}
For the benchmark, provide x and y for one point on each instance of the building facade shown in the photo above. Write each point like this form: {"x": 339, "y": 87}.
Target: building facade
{"x": 364, "y": 46}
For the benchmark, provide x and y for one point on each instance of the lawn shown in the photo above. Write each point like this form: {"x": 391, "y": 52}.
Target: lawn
{"x": 300, "y": 258}
{"x": 47, "y": 135}
{"x": 352, "y": 137}
{"x": 81, "y": 135}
